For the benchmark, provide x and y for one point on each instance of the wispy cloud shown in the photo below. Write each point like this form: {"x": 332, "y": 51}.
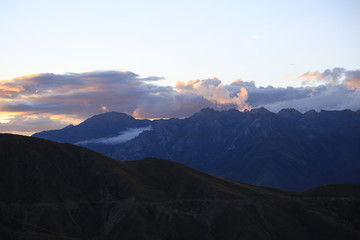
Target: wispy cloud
{"x": 123, "y": 137}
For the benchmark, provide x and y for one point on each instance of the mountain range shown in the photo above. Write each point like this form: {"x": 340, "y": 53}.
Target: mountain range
{"x": 287, "y": 150}
{"x": 54, "y": 191}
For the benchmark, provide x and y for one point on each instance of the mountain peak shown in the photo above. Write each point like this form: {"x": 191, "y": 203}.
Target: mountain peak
{"x": 111, "y": 116}
{"x": 206, "y": 112}
{"x": 107, "y": 118}
{"x": 68, "y": 127}
{"x": 261, "y": 110}
{"x": 311, "y": 113}
{"x": 102, "y": 125}
{"x": 289, "y": 113}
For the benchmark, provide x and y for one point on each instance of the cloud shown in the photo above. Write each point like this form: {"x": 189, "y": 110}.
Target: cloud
{"x": 329, "y": 76}
{"x": 213, "y": 90}
{"x": 332, "y": 89}
{"x": 76, "y": 93}
{"x": 352, "y": 79}
{"x": 326, "y": 97}
{"x": 48, "y": 101}
{"x": 104, "y": 108}
{"x": 24, "y": 123}
{"x": 81, "y": 95}
{"x": 259, "y": 96}
{"x": 123, "y": 137}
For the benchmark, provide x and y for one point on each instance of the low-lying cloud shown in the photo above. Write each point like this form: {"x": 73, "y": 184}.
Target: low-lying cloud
{"x": 123, "y": 137}
{"x": 47, "y": 101}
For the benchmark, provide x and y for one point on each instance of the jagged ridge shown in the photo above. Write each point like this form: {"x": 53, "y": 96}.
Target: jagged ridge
{"x": 287, "y": 150}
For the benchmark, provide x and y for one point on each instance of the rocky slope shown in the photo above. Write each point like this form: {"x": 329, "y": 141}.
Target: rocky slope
{"x": 59, "y": 191}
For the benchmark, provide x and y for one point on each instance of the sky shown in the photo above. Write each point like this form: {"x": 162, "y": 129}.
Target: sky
{"x": 64, "y": 61}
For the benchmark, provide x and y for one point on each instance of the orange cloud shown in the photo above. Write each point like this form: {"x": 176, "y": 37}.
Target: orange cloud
{"x": 104, "y": 108}
{"x": 6, "y": 117}
{"x": 34, "y": 75}
{"x": 28, "y": 123}
{"x": 66, "y": 118}
{"x": 311, "y": 76}
{"x": 11, "y": 88}
{"x": 287, "y": 77}
{"x": 329, "y": 76}
{"x": 354, "y": 83}
{"x": 10, "y": 91}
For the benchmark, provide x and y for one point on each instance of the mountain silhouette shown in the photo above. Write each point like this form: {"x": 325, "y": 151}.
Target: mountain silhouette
{"x": 53, "y": 190}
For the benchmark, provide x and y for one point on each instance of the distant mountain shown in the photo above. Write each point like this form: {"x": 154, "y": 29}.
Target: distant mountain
{"x": 107, "y": 125}
{"x": 60, "y": 191}
{"x": 287, "y": 150}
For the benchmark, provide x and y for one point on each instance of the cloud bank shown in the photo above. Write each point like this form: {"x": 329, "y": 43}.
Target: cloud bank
{"x": 123, "y": 136}
{"x": 47, "y": 101}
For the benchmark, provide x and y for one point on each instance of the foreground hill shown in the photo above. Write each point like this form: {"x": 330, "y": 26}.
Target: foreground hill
{"x": 59, "y": 191}
{"x": 287, "y": 150}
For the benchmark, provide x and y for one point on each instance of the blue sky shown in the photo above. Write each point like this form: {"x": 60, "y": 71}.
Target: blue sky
{"x": 180, "y": 40}
{"x": 63, "y": 61}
